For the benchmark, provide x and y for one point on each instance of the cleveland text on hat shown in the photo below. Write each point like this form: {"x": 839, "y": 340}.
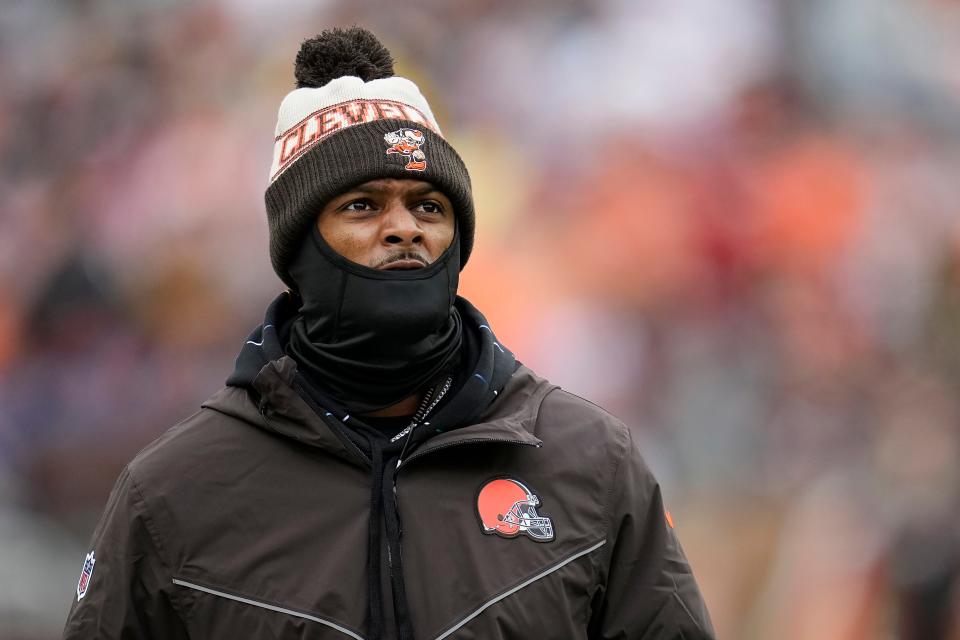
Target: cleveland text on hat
{"x": 318, "y": 125}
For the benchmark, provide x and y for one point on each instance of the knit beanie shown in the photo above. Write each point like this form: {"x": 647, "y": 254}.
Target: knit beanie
{"x": 351, "y": 120}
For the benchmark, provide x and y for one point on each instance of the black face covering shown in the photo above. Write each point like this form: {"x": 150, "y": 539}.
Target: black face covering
{"x": 369, "y": 338}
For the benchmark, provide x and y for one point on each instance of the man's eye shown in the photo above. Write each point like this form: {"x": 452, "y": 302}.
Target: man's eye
{"x": 358, "y": 205}
{"x": 430, "y": 207}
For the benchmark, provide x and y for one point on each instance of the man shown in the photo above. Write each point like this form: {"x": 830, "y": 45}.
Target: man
{"x": 379, "y": 465}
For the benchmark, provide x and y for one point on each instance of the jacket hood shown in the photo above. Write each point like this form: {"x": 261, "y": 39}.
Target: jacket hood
{"x": 264, "y": 344}
{"x": 496, "y": 397}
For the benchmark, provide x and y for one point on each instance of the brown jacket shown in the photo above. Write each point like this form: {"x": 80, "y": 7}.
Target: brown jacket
{"x": 239, "y": 523}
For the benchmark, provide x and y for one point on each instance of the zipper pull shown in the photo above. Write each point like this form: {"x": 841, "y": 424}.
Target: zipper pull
{"x": 404, "y": 432}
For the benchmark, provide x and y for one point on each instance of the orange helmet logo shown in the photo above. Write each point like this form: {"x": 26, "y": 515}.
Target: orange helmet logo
{"x": 507, "y": 508}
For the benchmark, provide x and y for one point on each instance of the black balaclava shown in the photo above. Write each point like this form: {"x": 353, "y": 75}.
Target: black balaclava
{"x": 368, "y": 338}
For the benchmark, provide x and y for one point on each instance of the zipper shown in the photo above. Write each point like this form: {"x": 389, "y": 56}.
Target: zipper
{"x": 400, "y": 459}
{"x": 417, "y": 419}
{"x": 416, "y": 422}
{"x": 428, "y": 404}
{"x": 420, "y": 454}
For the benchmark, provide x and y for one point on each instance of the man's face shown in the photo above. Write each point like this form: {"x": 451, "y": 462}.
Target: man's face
{"x": 389, "y": 224}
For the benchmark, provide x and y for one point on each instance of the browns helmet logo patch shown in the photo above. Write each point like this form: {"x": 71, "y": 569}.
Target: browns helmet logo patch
{"x": 407, "y": 142}
{"x": 507, "y": 508}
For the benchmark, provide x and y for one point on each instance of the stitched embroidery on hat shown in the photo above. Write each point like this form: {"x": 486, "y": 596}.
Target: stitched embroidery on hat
{"x": 307, "y": 133}
{"x": 407, "y": 142}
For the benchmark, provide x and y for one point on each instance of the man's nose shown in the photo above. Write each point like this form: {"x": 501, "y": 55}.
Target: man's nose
{"x": 400, "y": 226}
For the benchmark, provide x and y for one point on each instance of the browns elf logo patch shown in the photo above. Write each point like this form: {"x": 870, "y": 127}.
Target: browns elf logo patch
{"x": 507, "y": 508}
{"x": 407, "y": 142}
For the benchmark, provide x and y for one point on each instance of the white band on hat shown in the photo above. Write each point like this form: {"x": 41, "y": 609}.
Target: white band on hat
{"x": 309, "y": 115}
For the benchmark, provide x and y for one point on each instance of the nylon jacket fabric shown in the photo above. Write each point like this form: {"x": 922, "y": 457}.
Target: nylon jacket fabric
{"x": 249, "y": 520}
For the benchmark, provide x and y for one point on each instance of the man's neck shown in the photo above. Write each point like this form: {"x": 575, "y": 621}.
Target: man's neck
{"x": 406, "y": 407}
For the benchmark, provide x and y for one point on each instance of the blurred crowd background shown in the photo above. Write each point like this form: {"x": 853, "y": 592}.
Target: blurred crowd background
{"x": 734, "y": 224}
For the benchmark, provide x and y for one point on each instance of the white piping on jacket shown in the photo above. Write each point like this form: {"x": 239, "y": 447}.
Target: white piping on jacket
{"x": 525, "y": 583}
{"x": 486, "y": 605}
{"x": 264, "y": 605}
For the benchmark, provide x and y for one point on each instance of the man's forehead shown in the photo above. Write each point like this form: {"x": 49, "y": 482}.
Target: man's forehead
{"x": 388, "y": 185}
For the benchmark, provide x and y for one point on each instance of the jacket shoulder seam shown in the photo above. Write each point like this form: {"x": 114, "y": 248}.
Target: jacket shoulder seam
{"x": 676, "y": 596}
{"x": 619, "y": 455}
{"x": 617, "y": 467}
{"x": 232, "y": 416}
{"x": 145, "y": 448}
{"x": 150, "y": 527}
{"x": 602, "y": 410}
{"x": 536, "y": 422}
{"x": 156, "y": 449}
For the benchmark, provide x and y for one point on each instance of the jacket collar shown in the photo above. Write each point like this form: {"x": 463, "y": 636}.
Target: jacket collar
{"x": 263, "y": 391}
{"x": 511, "y": 419}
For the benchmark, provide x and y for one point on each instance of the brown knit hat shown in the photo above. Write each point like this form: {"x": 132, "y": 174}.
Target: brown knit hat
{"x": 350, "y": 120}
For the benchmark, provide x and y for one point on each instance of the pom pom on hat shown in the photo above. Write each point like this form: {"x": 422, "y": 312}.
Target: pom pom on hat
{"x": 341, "y": 52}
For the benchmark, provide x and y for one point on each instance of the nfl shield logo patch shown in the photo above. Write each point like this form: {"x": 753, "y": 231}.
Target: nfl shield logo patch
{"x": 85, "y": 575}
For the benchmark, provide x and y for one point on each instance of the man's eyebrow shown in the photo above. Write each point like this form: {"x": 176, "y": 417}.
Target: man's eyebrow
{"x": 424, "y": 189}
{"x": 367, "y": 188}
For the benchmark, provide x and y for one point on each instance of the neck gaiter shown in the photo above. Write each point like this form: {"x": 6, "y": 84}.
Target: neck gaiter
{"x": 368, "y": 338}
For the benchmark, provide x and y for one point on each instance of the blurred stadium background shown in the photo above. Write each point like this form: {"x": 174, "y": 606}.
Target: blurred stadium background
{"x": 734, "y": 224}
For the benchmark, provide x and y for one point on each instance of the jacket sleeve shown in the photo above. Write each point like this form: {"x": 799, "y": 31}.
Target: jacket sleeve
{"x": 128, "y": 593}
{"x": 649, "y": 592}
